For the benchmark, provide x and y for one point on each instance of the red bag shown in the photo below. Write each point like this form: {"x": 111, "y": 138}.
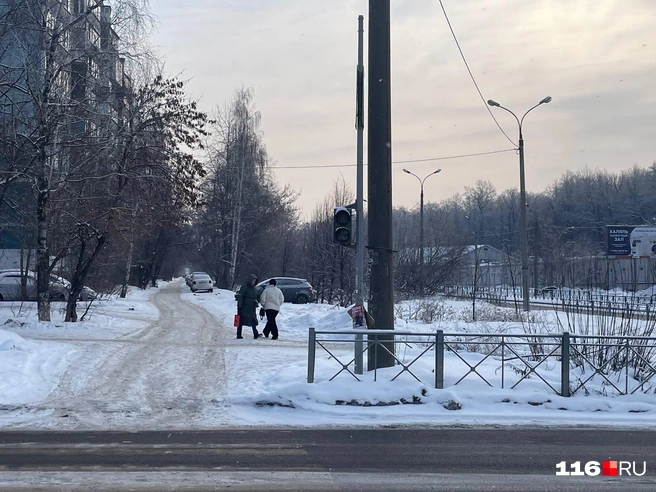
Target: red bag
{"x": 236, "y": 321}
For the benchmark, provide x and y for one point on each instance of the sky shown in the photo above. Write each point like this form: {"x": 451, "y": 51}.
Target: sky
{"x": 595, "y": 58}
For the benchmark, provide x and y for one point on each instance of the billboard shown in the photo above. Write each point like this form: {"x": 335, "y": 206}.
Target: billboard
{"x": 643, "y": 242}
{"x": 631, "y": 241}
{"x": 618, "y": 240}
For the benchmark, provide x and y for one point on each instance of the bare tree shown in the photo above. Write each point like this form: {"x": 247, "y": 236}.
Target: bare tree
{"x": 49, "y": 54}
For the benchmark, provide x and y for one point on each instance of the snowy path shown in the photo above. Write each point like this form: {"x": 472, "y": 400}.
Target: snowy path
{"x": 165, "y": 376}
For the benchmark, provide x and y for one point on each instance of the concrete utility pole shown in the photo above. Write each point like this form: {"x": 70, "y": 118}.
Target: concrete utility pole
{"x": 359, "y": 205}
{"x": 381, "y": 301}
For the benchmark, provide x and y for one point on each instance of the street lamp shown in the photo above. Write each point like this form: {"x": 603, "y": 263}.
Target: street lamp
{"x": 522, "y": 198}
{"x": 475, "y": 277}
{"x": 421, "y": 227}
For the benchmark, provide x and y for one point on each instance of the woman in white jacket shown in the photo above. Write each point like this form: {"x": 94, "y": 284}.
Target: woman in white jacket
{"x": 271, "y": 299}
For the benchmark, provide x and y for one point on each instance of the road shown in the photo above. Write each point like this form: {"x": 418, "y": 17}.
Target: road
{"x": 161, "y": 377}
{"x": 459, "y": 459}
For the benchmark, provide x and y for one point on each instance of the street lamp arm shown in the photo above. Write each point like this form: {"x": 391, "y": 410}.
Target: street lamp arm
{"x": 514, "y": 116}
{"x": 521, "y": 122}
{"x": 428, "y": 176}
{"x": 412, "y": 174}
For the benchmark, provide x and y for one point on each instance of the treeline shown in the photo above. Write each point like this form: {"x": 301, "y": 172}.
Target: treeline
{"x": 567, "y": 220}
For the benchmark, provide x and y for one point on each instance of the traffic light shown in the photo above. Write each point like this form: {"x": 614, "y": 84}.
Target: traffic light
{"x": 343, "y": 226}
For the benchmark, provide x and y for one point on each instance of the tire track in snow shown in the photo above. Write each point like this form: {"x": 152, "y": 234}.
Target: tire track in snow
{"x": 170, "y": 375}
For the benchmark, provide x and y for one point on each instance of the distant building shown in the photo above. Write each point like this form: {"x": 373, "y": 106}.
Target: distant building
{"x": 69, "y": 50}
{"x": 10, "y": 259}
{"x": 490, "y": 266}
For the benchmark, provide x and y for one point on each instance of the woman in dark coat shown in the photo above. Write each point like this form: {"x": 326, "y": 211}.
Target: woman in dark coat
{"x": 247, "y": 306}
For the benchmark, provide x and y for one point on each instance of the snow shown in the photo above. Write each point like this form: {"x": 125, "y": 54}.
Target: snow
{"x": 28, "y": 369}
{"x": 61, "y": 375}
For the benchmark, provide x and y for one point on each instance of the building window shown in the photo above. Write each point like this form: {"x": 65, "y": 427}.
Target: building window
{"x": 78, "y": 128}
{"x": 93, "y": 68}
{"x": 50, "y": 22}
{"x": 65, "y": 40}
{"x": 94, "y": 37}
{"x": 79, "y": 6}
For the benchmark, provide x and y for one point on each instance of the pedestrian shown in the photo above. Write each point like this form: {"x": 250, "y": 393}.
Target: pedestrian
{"x": 247, "y": 305}
{"x": 272, "y": 298}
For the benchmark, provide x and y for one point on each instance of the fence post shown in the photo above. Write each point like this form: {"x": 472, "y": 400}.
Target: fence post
{"x": 564, "y": 365}
{"x": 311, "y": 342}
{"x": 439, "y": 359}
{"x": 627, "y": 347}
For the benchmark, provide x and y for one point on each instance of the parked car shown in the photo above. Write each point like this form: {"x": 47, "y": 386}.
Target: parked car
{"x": 201, "y": 281}
{"x": 549, "y": 289}
{"x": 60, "y": 289}
{"x": 296, "y": 290}
{"x": 10, "y": 286}
{"x": 190, "y": 278}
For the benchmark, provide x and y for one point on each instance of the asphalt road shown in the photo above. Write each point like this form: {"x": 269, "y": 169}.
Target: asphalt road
{"x": 459, "y": 459}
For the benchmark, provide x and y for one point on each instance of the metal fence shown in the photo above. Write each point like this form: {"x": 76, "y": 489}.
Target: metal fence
{"x": 575, "y": 302}
{"x": 623, "y": 364}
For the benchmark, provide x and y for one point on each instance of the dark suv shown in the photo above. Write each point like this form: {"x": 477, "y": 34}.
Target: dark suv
{"x": 296, "y": 290}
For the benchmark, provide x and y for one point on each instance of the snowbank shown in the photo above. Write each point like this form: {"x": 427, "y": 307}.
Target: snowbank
{"x": 29, "y": 370}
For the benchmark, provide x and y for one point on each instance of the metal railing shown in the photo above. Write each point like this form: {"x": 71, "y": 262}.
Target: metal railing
{"x": 581, "y": 358}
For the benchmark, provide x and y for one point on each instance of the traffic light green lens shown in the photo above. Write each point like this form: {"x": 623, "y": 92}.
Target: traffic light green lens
{"x": 342, "y": 235}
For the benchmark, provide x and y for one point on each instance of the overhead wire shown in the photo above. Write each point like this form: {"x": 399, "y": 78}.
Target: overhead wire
{"x": 473, "y": 79}
{"x": 442, "y": 158}
{"x": 471, "y": 75}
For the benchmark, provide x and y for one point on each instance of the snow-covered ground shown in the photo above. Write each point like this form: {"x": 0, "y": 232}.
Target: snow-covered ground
{"x": 167, "y": 358}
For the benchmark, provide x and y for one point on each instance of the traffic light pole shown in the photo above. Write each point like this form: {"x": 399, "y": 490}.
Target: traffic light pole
{"x": 359, "y": 207}
{"x": 381, "y": 301}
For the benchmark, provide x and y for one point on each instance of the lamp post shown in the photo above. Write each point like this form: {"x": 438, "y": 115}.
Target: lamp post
{"x": 522, "y": 198}
{"x": 475, "y": 277}
{"x": 421, "y": 227}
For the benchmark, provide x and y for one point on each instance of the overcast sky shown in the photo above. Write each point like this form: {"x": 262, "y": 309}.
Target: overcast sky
{"x": 596, "y": 58}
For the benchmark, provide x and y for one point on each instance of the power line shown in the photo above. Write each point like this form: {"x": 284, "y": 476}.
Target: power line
{"x": 455, "y": 38}
{"x": 443, "y": 158}
{"x": 456, "y": 156}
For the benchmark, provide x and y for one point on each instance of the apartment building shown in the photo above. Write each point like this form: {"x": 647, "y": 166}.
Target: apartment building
{"x": 63, "y": 81}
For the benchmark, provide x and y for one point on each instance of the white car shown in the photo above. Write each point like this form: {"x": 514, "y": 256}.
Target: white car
{"x": 10, "y": 286}
{"x": 62, "y": 287}
{"x": 190, "y": 278}
{"x": 201, "y": 281}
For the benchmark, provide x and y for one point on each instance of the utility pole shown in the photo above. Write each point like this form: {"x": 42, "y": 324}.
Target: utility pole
{"x": 381, "y": 302}
{"x": 421, "y": 242}
{"x": 421, "y": 227}
{"x": 522, "y": 199}
{"x": 536, "y": 249}
{"x": 523, "y": 238}
{"x": 475, "y": 275}
{"x": 359, "y": 205}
